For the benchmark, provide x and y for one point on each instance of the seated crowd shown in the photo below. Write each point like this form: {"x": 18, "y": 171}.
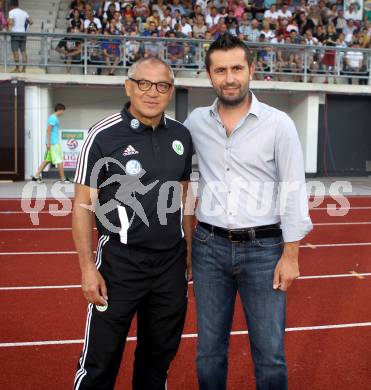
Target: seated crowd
{"x": 315, "y": 23}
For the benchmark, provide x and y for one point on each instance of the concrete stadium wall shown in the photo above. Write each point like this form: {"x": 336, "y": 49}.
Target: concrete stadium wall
{"x": 88, "y": 104}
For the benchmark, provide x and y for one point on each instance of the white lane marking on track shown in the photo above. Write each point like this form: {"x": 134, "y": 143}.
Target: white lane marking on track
{"x": 310, "y": 246}
{"x": 42, "y": 287}
{"x": 68, "y": 286}
{"x": 190, "y": 335}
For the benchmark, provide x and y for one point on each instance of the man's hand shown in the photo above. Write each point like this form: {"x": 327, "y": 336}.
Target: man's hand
{"x": 94, "y": 286}
{"x": 287, "y": 268}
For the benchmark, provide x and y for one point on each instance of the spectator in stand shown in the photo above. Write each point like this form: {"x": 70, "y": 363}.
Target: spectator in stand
{"x": 186, "y": 27}
{"x": 91, "y": 21}
{"x": 155, "y": 17}
{"x": 320, "y": 34}
{"x": 304, "y": 23}
{"x": 177, "y": 6}
{"x": 116, "y": 5}
{"x": 94, "y": 51}
{"x": 70, "y": 48}
{"x": 354, "y": 64}
{"x": 163, "y": 29}
{"x": 150, "y": 29}
{"x": 222, "y": 29}
{"x": 253, "y": 32}
{"x": 256, "y": 7}
{"x": 76, "y": 21}
{"x": 108, "y": 16}
{"x": 264, "y": 59}
{"x": 3, "y": 21}
{"x": 349, "y": 30}
{"x": 230, "y": 19}
{"x": 176, "y": 19}
{"x": 141, "y": 11}
{"x": 175, "y": 51}
{"x": 266, "y": 31}
{"x": 111, "y": 52}
{"x": 127, "y": 10}
{"x": 286, "y": 59}
{"x": 244, "y": 25}
{"x": 80, "y": 5}
{"x": 18, "y": 22}
{"x": 212, "y": 19}
{"x": 132, "y": 49}
{"x": 199, "y": 28}
{"x": 115, "y": 26}
{"x": 315, "y": 16}
{"x": 159, "y": 6}
{"x": 292, "y": 26}
{"x": 340, "y": 22}
{"x": 295, "y": 37}
{"x": 284, "y": 12}
{"x": 271, "y": 14}
{"x": 238, "y": 10}
{"x": 154, "y": 48}
{"x": 129, "y": 24}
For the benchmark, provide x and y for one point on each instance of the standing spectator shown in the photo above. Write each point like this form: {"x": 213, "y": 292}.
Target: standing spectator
{"x": 256, "y": 7}
{"x": 80, "y": 5}
{"x": 53, "y": 153}
{"x": 222, "y": 29}
{"x": 17, "y": 23}
{"x": 320, "y": 34}
{"x": 230, "y": 18}
{"x": 70, "y": 48}
{"x": 239, "y": 10}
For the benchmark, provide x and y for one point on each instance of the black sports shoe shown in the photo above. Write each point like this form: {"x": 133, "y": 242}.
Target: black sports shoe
{"x": 37, "y": 179}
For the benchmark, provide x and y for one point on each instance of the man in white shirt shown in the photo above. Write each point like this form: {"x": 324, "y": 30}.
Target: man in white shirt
{"x": 271, "y": 14}
{"x": 284, "y": 12}
{"x": 18, "y": 22}
{"x": 248, "y": 153}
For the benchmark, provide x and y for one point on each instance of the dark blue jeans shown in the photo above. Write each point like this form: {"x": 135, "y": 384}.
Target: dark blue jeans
{"x": 220, "y": 269}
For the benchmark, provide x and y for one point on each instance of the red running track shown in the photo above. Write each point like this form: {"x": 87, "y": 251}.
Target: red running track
{"x": 317, "y": 359}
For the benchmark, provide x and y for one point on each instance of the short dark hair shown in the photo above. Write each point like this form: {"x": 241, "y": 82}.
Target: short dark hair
{"x": 227, "y": 42}
{"x": 59, "y": 107}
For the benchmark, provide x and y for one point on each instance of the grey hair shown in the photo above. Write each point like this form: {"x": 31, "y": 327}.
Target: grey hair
{"x": 133, "y": 67}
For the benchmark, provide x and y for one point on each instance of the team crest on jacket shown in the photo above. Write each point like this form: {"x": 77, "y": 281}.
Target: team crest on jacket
{"x": 133, "y": 167}
{"x": 178, "y": 147}
{"x": 134, "y": 124}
